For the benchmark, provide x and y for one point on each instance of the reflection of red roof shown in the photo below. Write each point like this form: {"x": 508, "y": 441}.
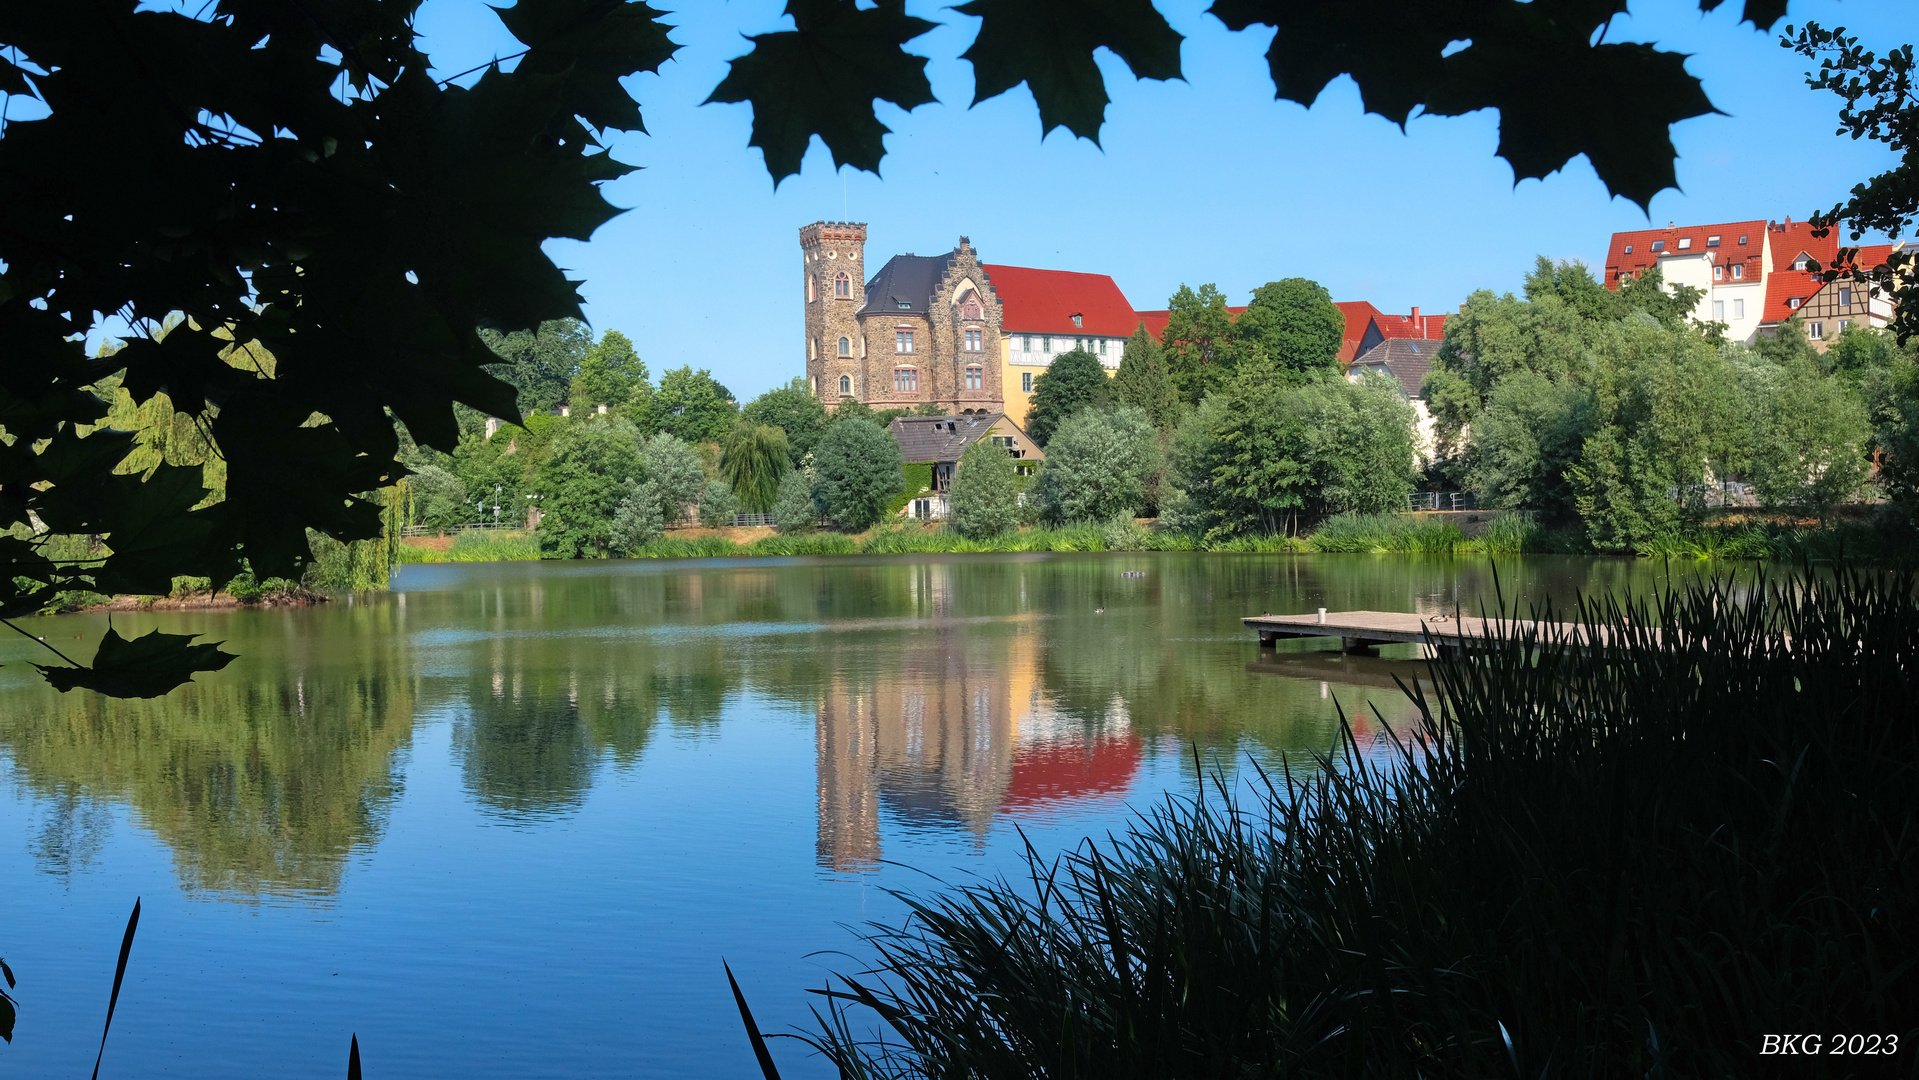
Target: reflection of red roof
{"x": 1045, "y": 301}
{"x": 1049, "y": 771}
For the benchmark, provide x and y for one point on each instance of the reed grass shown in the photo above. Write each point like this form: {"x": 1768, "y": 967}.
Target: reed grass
{"x": 477, "y": 545}
{"x": 1627, "y": 863}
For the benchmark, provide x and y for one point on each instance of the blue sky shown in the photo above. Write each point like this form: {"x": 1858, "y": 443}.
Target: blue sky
{"x": 1206, "y": 180}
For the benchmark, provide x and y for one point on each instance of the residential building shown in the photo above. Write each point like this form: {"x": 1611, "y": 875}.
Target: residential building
{"x": 1049, "y": 312}
{"x": 1405, "y": 360}
{"x": 1825, "y": 308}
{"x": 940, "y": 440}
{"x": 1366, "y": 326}
{"x": 1730, "y": 262}
{"x": 923, "y": 330}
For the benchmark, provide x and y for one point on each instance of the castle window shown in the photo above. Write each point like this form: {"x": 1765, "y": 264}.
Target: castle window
{"x": 973, "y": 341}
{"x": 846, "y": 385}
{"x": 906, "y": 380}
{"x": 809, "y": 288}
{"x": 975, "y": 377}
{"x": 1025, "y": 382}
{"x": 903, "y": 341}
{"x": 809, "y": 348}
{"x": 846, "y": 346}
{"x": 843, "y": 286}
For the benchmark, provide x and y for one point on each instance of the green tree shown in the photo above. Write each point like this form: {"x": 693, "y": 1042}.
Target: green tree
{"x": 540, "y": 363}
{"x": 1143, "y": 382}
{"x": 1098, "y": 466}
{"x": 690, "y": 406}
{"x": 1236, "y": 464}
{"x": 1357, "y": 443}
{"x": 1811, "y": 452}
{"x": 754, "y": 459}
{"x": 439, "y": 498}
{"x": 796, "y": 508}
{"x": 794, "y": 410}
{"x": 857, "y": 472}
{"x": 1892, "y": 397}
{"x": 985, "y": 492}
{"x": 675, "y": 473}
{"x": 1200, "y": 342}
{"x": 1073, "y": 381}
{"x": 637, "y": 520}
{"x": 717, "y": 504}
{"x": 583, "y": 484}
{"x": 1297, "y": 325}
{"x": 929, "y": 408}
{"x": 1664, "y": 406}
{"x": 1530, "y": 431}
{"x": 1859, "y": 349}
{"x": 611, "y": 374}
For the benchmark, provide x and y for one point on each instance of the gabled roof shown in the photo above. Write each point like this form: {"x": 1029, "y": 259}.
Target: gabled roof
{"x": 1045, "y": 301}
{"x": 1642, "y": 257}
{"x": 945, "y": 438}
{"x": 1794, "y": 238}
{"x": 1405, "y": 359}
{"x": 1411, "y": 326}
{"x": 1155, "y": 321}
{"x": 1359, "y": 313}
{"x": 1785, "y": 285}
{"x": 907, "y": 279}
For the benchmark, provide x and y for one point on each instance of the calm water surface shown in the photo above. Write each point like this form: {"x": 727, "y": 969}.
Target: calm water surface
{"x": 506, "y": 820}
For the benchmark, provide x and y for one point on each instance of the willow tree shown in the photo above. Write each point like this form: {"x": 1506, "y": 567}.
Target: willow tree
{"x": 754, "y": 460}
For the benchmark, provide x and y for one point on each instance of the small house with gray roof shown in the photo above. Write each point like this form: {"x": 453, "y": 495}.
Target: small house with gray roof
{"x": 939, "y": 441}
{"x": 1405, "y": 361}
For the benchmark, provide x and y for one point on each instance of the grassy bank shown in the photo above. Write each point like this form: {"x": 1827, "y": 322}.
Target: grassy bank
{"x": 1632, "y": 864}
{"x": 1406, "y": 534}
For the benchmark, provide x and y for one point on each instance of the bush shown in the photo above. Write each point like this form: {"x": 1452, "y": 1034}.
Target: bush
{"x": 985, "y": 492}
{"x": 1072, "y": 382}
{"x": 717, "y": 504}
{"x": 676, "y": 474}
{"x": 1098, "y": 466}
{"x": 795, "y": 510}
{"x": 639, "y": 520}
{"x": 857, "y": 470}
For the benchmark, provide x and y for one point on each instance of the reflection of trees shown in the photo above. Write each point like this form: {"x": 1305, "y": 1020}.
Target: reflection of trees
{"x": 261, "y": 779}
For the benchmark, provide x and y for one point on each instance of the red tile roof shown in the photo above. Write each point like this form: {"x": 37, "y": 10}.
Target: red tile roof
{"x": 1642, "y": 257}
{"x": 1786, "y": 284}
{"x": 1045, "y": 301}
{"x": 1155, "y": 321}
{"x": 1411, "y": 326}
{"x": 1358, "y": 314}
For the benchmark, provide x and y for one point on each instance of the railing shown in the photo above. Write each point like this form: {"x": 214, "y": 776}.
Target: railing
{"x": 742, "y": 521}
{"x": 435, "y": 530}
{"x": 1442, "y": 500}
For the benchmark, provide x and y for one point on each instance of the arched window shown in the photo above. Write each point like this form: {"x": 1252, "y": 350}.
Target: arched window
{"x": 843, "y": 286}
{"x": 846, "y": 385}
{"x": 809, "y": 348}
{"x": 809, "y": 288}
{"x": 846, "y": 346}
{"x": 975, "y": 377}
{"x": 906, "y": 380}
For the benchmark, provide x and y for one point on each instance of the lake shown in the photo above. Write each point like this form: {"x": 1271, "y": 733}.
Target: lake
{"x": 506, "y": 820}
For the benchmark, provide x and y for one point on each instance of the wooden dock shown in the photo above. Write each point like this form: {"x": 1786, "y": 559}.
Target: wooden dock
{"x": 1360, "y": 631}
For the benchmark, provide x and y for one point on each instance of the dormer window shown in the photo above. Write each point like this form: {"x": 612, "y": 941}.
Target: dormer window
{"x": 1076, "y": 318}
{"x": 1685, "y": 242}
{"x": 1658, "y": 246}
{"x": 1793, "y": 303}
{"x": 1712, "y": 241}
{"x": 905, "y": 305}
{"x": 1738, "y": 271}
{"x": 1802, "y": 262}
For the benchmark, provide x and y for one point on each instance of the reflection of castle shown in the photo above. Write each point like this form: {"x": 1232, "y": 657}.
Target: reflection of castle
{"x": 949, "y": 739}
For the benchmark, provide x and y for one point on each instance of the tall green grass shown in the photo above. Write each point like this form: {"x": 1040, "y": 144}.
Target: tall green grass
{"x": 477, "y": 545}
{"x": 1633, "y": 863}
{"x": 1880, "y": 541}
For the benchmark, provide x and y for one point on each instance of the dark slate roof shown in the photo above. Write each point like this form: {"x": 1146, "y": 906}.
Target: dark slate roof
{"x": 945, "y": 438}
{"x": 1405, "y": 359}
{"x": 905, "y": 278}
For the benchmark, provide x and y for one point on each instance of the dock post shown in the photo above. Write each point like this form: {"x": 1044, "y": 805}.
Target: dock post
{"x": 1267, "y": 639}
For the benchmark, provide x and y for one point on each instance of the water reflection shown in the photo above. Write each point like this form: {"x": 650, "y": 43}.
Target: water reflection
{"x": 945, "y": 694}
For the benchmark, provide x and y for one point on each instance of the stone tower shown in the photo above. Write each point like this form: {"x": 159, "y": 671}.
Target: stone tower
{"x": 833, "y": 266}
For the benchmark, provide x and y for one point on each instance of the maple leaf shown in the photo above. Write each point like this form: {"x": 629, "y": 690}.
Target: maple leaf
{"x": 1049, "y": 46}
{"x": 147, "y": 666}
{"x": 593, "y": 48}
{"x": 822, "y": 77}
